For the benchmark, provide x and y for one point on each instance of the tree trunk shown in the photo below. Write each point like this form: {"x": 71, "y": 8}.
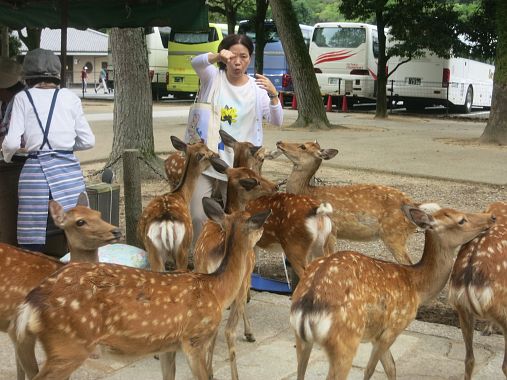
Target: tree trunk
{"x": 32, "y": 39}
{"x": 381, "y": 106}
{"x": 496, "y": 128}
{"x": 133, "y": 121}
{"x": 311, "y": 108}
{"x": 260, "y": 36}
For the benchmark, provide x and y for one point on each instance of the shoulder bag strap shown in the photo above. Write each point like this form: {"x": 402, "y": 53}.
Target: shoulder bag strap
{"x": 48, "y": 122}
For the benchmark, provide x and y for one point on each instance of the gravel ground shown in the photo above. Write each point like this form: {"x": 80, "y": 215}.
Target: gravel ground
{"x": 463, "y": 196}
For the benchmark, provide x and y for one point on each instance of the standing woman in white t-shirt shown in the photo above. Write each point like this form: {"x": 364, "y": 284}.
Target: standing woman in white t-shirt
{"x": 52, "y": 123}
{"x": 244, "y": 103}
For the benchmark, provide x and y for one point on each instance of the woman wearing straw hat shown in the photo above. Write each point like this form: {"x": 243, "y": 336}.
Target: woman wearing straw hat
{"x": 10, "y": 85}
{"x": 53, "y": 125}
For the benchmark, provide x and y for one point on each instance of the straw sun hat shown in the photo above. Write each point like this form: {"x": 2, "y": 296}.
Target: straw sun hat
{"x": 10, "y": 72}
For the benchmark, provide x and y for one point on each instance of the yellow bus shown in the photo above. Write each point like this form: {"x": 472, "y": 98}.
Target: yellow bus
{"x": 181, "y": 79}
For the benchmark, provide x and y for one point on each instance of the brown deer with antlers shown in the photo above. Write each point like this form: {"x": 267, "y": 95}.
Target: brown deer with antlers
{"x": 245, "y": 155}
{"x": 478, "y": 286}
{"x": 22, "y": 270}
{"x": 360, "y": 212}
{"x": 135, "y": 311}
{"x": 165, "y": 226}
{"x": 347, "y": 298}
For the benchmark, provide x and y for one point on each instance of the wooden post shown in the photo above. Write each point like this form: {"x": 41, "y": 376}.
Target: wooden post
{"x": 132, "y": 191}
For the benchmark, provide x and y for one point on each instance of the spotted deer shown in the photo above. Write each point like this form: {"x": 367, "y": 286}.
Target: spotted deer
{"x": 478, "y": 286}
{"x": 135, "y": 311}
{"x": 347, "y": 298}
{"x": 243, "y": 184}
{"x": 165, "y": 226}
{"x": 245, "y": 155}
{"x": 361, "y": 212}
{"x": 22, "y": 270}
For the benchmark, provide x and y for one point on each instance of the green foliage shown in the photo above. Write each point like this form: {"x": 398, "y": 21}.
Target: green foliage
{"x": 14, "y": 46}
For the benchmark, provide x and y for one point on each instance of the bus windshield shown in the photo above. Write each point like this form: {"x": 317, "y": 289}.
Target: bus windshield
{"x": 270, "y": 32}
{"x": 338, "y": 37}
{"x": 194, "y": 38}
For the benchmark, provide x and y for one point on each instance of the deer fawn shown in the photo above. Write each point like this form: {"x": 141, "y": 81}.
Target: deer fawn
{"x": 360, "y": 212}
{"x": 245, "y": 155}
{"x": 135, "y": 311}
{"x": 347, "y": 298}
{"x": 478, "y": 283}
{"x": 22, "y": 270}
{"x": 242, "y": 185}
{"x": 165, "y": 226}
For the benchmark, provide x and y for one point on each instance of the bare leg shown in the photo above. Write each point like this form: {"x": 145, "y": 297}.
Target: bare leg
{"x": 389, "y": 365}
{"x": 380, "y": 350}
{"x": 196, "y": 358}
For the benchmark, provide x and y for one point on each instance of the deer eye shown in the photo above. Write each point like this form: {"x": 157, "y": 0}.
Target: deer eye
{"x": 80, "y": 222}
{"x": 303, "y": 147}
{"x": 462, "y": 221}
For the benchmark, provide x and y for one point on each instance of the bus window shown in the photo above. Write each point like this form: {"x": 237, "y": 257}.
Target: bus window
{"x": 191, "y": 38}
{"x": 338, "y": 37}
{"x": 374, "y": 45}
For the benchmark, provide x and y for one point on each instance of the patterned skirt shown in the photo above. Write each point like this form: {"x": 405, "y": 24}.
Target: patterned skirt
{"x": 58, "y": 174}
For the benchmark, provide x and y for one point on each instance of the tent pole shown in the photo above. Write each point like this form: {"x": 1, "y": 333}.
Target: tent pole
{"x": 5, "y": 41}
{"x": 64, "y": 6}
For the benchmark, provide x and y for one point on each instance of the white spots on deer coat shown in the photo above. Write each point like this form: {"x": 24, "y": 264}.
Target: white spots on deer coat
{"x": 74, "y": 304}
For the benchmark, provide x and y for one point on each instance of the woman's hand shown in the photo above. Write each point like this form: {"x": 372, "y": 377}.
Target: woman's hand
{"x": 225, "y": 56}
{"x": 265, "y": 83}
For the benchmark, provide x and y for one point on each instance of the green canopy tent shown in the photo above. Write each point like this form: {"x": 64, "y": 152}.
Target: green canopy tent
{"x": 81, "y": 14}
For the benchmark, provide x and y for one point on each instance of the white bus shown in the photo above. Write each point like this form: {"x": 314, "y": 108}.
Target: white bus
{"x": 344, "y": 57}
{"x": 458, "y": 83}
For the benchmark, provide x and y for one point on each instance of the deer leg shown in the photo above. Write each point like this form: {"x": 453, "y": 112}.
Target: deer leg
{"x": 156, "y": 260}
{"x": 196, "y": 358}
{"x": 380, "y": 351}
{"x": 245, "y": 298}
{"x": 466, "y": 323}
{"x": 340, "y": 356}
{"x": 26, "y": 363}
{"x": 388, "y": 364}
{"x": 237, "y": 308}
{"x": 297, "y": 256}
{"x": 61, "y": 366}
{"x": 182, "y": 256}
{"x": 303, "y": 351}
{"x": 168, "y": 364}
{"x": 209, "y": 356}
{"x": 396, "y": 242}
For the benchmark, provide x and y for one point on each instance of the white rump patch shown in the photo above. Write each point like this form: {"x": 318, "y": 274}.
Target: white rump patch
{"x": 27, "y": 320}
{"x": 166, "y": 235}
{"x": 316, "y": 325}
{"x": 429, "y": 208}
{"x": 481, "y": 298}
{"x": 320, "y": 225}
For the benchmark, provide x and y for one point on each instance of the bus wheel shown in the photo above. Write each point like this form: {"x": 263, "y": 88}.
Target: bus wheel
{"x": 467, "y": 107}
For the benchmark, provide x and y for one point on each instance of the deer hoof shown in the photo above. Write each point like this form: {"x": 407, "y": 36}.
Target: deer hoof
{"x": 249, "y": 337}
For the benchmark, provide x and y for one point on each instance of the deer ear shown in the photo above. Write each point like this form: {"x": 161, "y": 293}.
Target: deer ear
{"x": 83, "y": 200}
{"x": 57, "y": 213}
{"x": 248, "y": 183}
{"x": 273, "y": 154}
{"x": 418, "y": 217}
{"x": 218, "y": 164}
{"x": 213, "y": 210}
{"x": 255, "y": 149}
{"x": 256, "y": 221}
{"x": 227, "y": 139}
{"x": 178, "y": 144}
{"x": 327, "y": 154}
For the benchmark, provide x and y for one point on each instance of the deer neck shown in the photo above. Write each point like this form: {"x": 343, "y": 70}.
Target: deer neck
{"x": 83, "y": 255}
{"x": 227, "y": 279}
{"x": 299, "y": 179}
{"x": 233, "y": 203}
{"x": 188, "y": 179}
{"x": 433, "y": 271}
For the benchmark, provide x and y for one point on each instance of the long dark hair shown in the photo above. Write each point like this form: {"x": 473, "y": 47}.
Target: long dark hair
{"x": 234, "y": 39}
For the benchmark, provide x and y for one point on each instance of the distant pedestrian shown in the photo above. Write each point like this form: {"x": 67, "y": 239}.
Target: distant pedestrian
{"x": 102, "y": 81}
{"x": 84, "y": 78}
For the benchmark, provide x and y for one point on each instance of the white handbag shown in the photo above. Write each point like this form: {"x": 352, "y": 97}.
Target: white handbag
{"x": 204, "y": 118}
